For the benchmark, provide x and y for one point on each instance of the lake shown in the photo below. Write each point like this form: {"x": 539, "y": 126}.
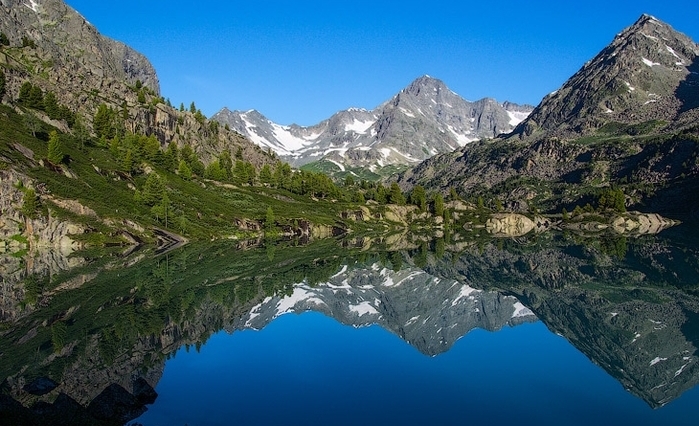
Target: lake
{"x": 547, "y": 329}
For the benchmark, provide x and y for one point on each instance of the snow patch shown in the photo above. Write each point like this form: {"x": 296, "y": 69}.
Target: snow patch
{"x": 461, "y": 139}
{"x": 363, "y": 309}
{"x": 649, "y": 62}
{"x": 631, "y": 88}
{"x": 464, "y": 293}
{"x": 300, "y": 294}
{"x": 358, "y": 126}
{"x": 33, "y": 5}
{"x": 342, "y": 271}
{"x": 406, "y": 112}
{"x": 657, "y": 360}
{"x": 672, "y": 51}
{"x": 312, "y": 136}
{"x": 517, "y": 117}
{"x": 521, "y": 310}
{"x": 256, "y": 311}
{"x": 252, "y": 134}
{"x": 288, "y": 141}
{"x": 678, "y": 372}
{"x": 341, "y": 166}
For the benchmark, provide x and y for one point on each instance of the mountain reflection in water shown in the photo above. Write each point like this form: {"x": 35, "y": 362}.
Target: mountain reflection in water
{"x": 100, "y": 329}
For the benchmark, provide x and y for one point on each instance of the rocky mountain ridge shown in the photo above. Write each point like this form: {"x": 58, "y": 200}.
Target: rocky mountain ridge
{"x": 424, "y": 119}
{"x": 627, "y": 119}
{"x": 648, "y": 72}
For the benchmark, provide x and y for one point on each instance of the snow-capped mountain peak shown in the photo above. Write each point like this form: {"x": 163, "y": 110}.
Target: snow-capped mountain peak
{"x": 424, "y": 119}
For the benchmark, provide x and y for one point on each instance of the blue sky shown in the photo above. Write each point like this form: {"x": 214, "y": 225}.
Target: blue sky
{"x": 301, "y": 61}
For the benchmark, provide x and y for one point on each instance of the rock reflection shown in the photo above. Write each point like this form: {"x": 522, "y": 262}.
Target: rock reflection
{"x": 109, "y": 323}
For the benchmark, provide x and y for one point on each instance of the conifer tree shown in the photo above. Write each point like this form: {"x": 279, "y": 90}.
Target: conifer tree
{"x": 395, "y": 195}
{"x": 29, "y": 203}
{"x": 3, "y": 83}
{"x": 55, "y": 148}
{"x": 438, "y": 204}
{"x": 184, "y": 170}
{"x": 269, "y": 218}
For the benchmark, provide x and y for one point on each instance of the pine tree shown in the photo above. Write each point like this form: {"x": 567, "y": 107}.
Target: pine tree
{"x": 395, "y": 195}
{"x": 24, "y": 92}
{"x": 269, "y": 218}
{"x": 29, "y": 203}
{"x": 419, "y": 198}
{"x": 438, "y": 204}
{"x": 153, "y": 190}
{"x": 32, "y": 123}
{"x": 3, "y": 83}
{"x": 50, "y": 105}
{"x": 55, "y": 148}
{"x": 80, "y": 132}
{"x": 266, "y": 175}
{"x": 226, "y": 163}
{"x": 214, "y": 171}
{"x": 103, "y": 122}
{"x": 36, "y": 98}
{"x": 184, "y": 170}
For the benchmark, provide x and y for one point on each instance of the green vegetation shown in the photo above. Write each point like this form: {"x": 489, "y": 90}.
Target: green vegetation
{"x": 55, "y": 149}
{"x": 131, "y": 178}
{"x": 31, "y": 96}
{"x": 3, "y": 83}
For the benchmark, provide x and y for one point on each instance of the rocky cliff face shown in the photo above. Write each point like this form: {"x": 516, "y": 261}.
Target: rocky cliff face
{"x": 64, "y": 37}
{"x": 424, "y": 119}
{"x": 69, "y": 57}
{"x": 649, "y": 72}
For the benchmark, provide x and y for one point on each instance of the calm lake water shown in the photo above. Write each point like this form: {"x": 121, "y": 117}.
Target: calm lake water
{"x": 542, "y": 330}
{"x": 310, "y": 370}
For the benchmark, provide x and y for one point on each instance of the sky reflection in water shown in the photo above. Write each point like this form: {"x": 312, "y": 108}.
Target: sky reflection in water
{"x": 310, "y": 370}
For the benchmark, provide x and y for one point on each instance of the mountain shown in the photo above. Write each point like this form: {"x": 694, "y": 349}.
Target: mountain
{"x": 627, "y": 119}
{"x": 649, "y": 72}
{"x": 97, "y": 102}
{"x": 427, "y": 312}
{"x": 55, "y": 49}
{"x": 63, "y": 36}
{"x": 424, "y": 119}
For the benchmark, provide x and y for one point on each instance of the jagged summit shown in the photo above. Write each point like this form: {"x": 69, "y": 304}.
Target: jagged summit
{"x": 648, "y": 72}
{"x": 424, "y": 119}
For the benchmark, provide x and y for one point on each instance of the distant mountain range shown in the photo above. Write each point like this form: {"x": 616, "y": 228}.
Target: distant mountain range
{"x": 422, "y": 120}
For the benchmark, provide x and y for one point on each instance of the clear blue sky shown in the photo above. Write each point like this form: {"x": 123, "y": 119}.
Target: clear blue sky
{"x": 301, "y": 61}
